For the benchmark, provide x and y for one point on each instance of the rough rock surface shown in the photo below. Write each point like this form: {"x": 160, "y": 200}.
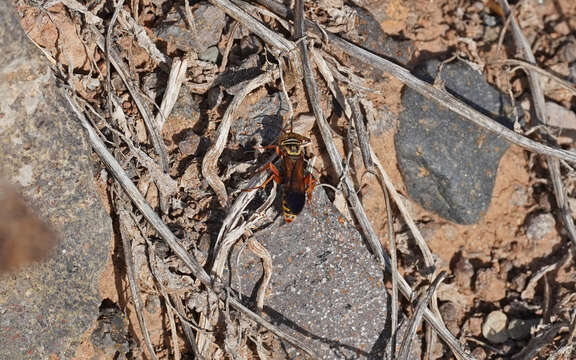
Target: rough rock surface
{"x": 369, "y": 33}
{"x": 449, "y": 165}
{"x": 45, "y": 307}
{"x": 261, "y": 123}
{"x": 326, "y": 288}
{"x": 209, "y": 22}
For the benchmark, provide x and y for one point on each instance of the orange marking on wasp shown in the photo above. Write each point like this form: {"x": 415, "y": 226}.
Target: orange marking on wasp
{"x": 297, "y": 185}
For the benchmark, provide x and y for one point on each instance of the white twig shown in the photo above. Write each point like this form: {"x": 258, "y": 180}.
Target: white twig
{"x": 175, "y": 80}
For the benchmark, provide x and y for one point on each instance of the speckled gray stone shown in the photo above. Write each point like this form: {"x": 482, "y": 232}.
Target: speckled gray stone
{"x": 449, "y": 165}
{"x": 326, "y": 288}
{"x": 45, "y": 308}
{"x": 208, "y": 20}
{"x": 261, "y": 125}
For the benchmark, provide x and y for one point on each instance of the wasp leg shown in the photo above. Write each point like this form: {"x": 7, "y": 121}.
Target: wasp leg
{"x": 274, "y": 176}
{"x": 310, "y": 183}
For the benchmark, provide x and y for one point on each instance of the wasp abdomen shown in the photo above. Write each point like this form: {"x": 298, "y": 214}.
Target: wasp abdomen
{"x": 292, "y": 204}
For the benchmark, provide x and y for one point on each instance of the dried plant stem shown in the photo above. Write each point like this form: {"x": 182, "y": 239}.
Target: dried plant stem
{"x": 108, "y": 46}
{"x": 210, "y": 161}
{"x": 228, "y": 47}
{"x": 394, "y": 272}
{"x": 173, "y": 331}
{"x": 531, "y": 67}
{"x": 123, "y": 216}
{"x": 405, "y": 346}
{"x": 175, "y": 80}
{"x": 362, "y": 134}
{"x": 536, "y": 343}
{"x": 260, "y": 251}
{"x": 190, "y": 18}
{"x": 232, "y": 229}
{"x": 138, "y": 97}
{"x": 162, "y": 229}
{"x": 270, "y": 37}
{"x": 540, "y": 112}
{"x": 185, "y": 325}
{"x": 135, "y": 6}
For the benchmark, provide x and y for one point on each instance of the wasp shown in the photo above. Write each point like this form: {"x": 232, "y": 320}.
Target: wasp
{"x": 297, "y": 184}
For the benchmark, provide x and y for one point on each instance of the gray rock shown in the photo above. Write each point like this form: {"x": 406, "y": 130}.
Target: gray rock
{"x": 209, "y": 22}
{"x": 326, "y": 288}
{"x": 449, "y": 165}
{"x": 45, "y": 307}
{"x": 262, "y": 124}
{"x": 370, "y": 35}
{"x": 211, "y": 54}
{"x": 519, "y": 329}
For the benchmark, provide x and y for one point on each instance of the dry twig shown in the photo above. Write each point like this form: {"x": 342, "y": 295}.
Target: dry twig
{"x": 405, "y": 346}
{"x": 124, "y": 217}
{"x": 531, "y": 67}
{"x": 175, "y": 80}
{"x": 138, "y": 97}
{"x": 185, "y": 326}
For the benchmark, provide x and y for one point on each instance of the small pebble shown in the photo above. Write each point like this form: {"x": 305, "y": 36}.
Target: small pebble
{"x": 211, "y": 55}
{"x": 494, "y": 327}
{"x": 189, "y": 145}
{"x": 479, "y": 353}
{"x": 539, "y": 226}
{"x": 490, "y": 20}
{"x": 463, "y": 271}
{"x": 520, "y": 196}
{"x": 479, "y": 5}
{"x": 505, "y": 267}
{"x": 449, "y": 312}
